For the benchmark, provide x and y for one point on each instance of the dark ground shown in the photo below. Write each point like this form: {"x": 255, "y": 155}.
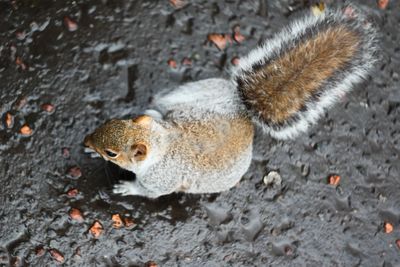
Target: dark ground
{"x": 109, "y": 67}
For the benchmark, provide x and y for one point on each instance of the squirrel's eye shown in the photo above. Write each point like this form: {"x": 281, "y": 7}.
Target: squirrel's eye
{"x": 110, "y": 153}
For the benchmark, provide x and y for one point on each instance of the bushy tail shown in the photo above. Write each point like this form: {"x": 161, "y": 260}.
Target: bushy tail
{"x": 288, "y": 82}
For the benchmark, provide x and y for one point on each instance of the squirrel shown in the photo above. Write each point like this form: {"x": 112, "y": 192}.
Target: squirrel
{"x": 198, "y": 137}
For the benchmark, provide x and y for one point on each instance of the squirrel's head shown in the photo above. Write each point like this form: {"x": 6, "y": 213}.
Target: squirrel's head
{"x": 123, "y": 142}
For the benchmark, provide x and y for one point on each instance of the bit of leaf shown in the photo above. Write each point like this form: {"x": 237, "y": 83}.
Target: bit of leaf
{"x": 388, "y": 227}
{"x": 25, "y": 130}
{"x": 70, "y": 24}
{"x": 117, "y": 221}
{"x": 219, "y": 40}
{"x": 56, "y": 255}
{"x": 75, "y": 172}
{"x": 76, "y": 215}
{"x": 318, "y": 9}
{"x": 334, "y": 179}
{"x": 9, "y": 120}
{"x": 382, "y": 4}
{"x": 172, "y": 63}
{"x": 398, "y": 243}
{"x": 96, "y": 229}
{"x": 48, "y": 107}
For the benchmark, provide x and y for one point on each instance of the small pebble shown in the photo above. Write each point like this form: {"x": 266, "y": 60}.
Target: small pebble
{"x": 273, "y": 178}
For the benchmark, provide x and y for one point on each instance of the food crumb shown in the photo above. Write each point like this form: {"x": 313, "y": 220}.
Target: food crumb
{"x": 219, "y": 40}
{"x": 39, "y": 251}
{"x": 235, "y": 61}
{"x": 237, "y": 36}
{"x": 76, "y": 215}
{"x": 388, "y": 227}
{"x": 70, "y": 24}
{"x": 9, "y": 120}
{"x": 117, "y": 221}
{"x": 382, "y": 4}
{"x": 48, "y": 107}
{"x": 25, "y": 130}
{"x": 151, "y": 264}
{"x": 96, "y": 229}
{"x": 75, "y": 172}
{"x": 129, "y": 223}
{"x": 72, "y": 192}
{"x": 178, "y": 3}
{"x": 56, "y": 255}
{"x": 172, "y": 63}
{"x": 334, "y": 179}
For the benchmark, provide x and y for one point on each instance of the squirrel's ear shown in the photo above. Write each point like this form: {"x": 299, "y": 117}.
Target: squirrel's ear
{"x": 139, "y": 151}
{"x": 144, "y": 120}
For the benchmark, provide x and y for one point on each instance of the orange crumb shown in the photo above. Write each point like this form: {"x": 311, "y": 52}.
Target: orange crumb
{"x": 172, "y": 63}
{"x": 382, "y": 4}
{"x": 55, "y": 254}
{"x": 25, "y": 130}
{"x": 76, "y": 215}
{"x": 9, "y": 120}
{"x": 219, "y": 40}
{"x": 334, "y": 180}
{"x": 48, "y": 107}
{"x": 388, "y": 227}
{"x": 117, "y": 221}
{"x": 129, "y": 223}
{"x": 96, "y": 229}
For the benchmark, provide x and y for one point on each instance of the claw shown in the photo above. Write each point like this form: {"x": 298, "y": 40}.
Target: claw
{"x": 125, "y": 188}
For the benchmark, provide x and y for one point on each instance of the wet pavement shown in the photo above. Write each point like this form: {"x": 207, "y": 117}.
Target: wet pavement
{"x": 67, "y": 66}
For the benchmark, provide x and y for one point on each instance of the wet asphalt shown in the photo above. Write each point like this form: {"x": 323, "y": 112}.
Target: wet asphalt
{"x": 68, "y": 66}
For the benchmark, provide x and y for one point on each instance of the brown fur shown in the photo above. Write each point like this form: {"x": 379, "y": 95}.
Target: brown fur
{"x": 124, "y": 137}
{"x": 288, "y": 81}
{"x": 212, "y": 144}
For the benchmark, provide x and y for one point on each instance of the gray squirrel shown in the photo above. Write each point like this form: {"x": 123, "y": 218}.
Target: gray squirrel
{"x": 198, "y": 137}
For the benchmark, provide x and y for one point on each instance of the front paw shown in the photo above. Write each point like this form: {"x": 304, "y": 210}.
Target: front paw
{"x": 126, "y": 188}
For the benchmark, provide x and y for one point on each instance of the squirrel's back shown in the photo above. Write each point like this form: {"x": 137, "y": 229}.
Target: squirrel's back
{"x": 290, "y": 80}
